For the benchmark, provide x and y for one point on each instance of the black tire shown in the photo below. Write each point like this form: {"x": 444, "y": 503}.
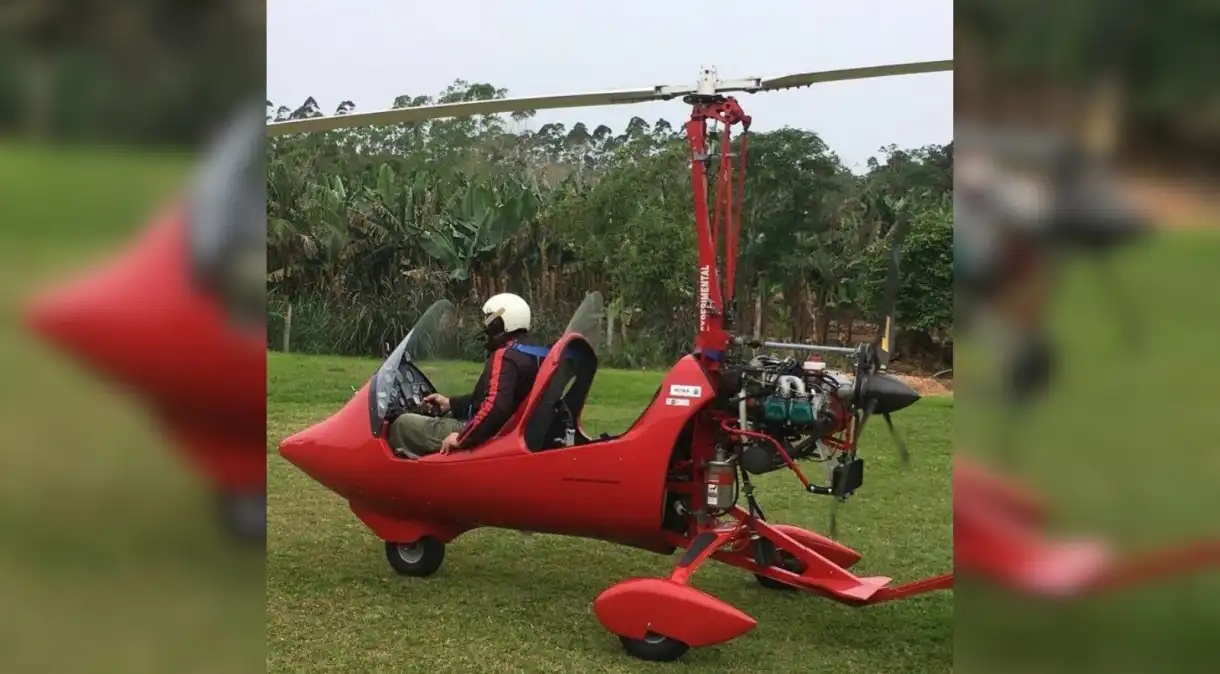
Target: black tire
{"x": 786, "y": 562}
{"x": 654, "y": 648}
{"x": 419, "y": 559}
{"x": 244, "y": 516}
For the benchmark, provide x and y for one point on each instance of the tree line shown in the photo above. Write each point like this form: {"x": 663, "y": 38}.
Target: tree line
{"x": 368, "y": 226}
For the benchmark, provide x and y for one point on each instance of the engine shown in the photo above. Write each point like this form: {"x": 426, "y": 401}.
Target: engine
{"x": 795, "y": 403}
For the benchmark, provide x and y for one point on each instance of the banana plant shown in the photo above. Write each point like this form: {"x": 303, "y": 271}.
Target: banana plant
{"x": 390, "y": 208}
{"x": 330, "y": 204}
{"x": 482, "y": 222}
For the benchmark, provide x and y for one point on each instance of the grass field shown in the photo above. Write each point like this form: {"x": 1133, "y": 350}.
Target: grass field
{"x": 110, "y": 560}
{"x": 1124, "y": 444}
{"x": 504, "y": 602}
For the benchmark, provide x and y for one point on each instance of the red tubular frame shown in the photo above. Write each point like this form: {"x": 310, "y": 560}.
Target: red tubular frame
{"x": 826, "y": 562}
{"x": 713, "y": 297}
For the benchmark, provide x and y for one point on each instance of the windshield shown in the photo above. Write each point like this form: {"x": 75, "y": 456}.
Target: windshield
{"x": 424, "y": 340}
{"x": 587, "y": 321}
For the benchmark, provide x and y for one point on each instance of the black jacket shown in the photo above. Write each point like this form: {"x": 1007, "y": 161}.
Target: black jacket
{"x": 506, "y": 382}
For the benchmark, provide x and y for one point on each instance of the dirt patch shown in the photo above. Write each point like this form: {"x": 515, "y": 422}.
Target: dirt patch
{"x": 927, "y": 386}
{"x": 924, "y": 386}
{"x": 1175, "y": 202}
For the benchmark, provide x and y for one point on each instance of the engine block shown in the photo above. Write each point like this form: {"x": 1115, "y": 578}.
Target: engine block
{"x": 783, "y": 399}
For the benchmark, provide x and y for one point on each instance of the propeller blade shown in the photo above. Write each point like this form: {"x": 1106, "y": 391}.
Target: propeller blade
{"x": 869, "y": 407}
{"x": 885, "y": 339}
{"x": 841, "y": 485}
{"x": 903, "y": 450}
{"x": 595, "y": 99}
{"x": 806, "y": 79}
{"x": 1120, "y": 302}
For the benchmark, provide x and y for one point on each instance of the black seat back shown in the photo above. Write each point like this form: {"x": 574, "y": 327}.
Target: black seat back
{"x": 558, "y": 411}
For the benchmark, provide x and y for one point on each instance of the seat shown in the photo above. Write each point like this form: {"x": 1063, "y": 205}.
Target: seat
{"x": 560, "y": 405}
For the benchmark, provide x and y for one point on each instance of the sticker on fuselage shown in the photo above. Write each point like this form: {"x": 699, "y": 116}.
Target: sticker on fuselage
{"x": 677, "y": 402}
{"x": 683, "y": 391}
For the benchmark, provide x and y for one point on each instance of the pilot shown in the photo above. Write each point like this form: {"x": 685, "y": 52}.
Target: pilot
{"x": 506, "y": 382}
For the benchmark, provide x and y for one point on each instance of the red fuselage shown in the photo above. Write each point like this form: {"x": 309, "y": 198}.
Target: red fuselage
{"x": 611, "y": 490}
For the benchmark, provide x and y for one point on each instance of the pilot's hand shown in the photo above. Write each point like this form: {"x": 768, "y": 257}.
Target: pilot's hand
{"x": 440, "y": 402}
{"x": 450, "y": 443}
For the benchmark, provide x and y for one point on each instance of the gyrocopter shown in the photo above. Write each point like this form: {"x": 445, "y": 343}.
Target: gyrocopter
{"x": 675, "y": 476}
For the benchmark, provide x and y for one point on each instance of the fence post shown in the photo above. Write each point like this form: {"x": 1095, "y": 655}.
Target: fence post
{"x": 288, "y": 328}
{"x": 609, "y": 327}
{"x": 758, "y": 309}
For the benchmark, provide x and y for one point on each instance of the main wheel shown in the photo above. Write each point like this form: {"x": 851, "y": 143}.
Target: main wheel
{"x": 244, "y": 515}
{"x": 419, "y": 559}
{"x": 654, "y": 648}
{"x": 786, "y": 562}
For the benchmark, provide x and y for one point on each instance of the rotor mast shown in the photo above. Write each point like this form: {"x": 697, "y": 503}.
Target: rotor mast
{"x": 715, "y": 293}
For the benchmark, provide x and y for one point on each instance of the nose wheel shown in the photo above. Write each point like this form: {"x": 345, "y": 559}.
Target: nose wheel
{"x": 419, "y": 559}
{"x": 654, "y": 648}
{"x": 787, "y": 562}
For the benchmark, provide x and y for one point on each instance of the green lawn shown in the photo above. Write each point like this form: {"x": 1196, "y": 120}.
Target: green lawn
{"x": 111, "y": 560}
{"x": 504, "y": 602}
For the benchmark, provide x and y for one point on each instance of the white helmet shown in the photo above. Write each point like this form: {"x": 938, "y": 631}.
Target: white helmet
{"x": 513, "y": 311}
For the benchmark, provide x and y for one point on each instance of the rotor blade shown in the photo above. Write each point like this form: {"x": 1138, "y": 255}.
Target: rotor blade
{"x": 903, "y": 450}
{"x": 806, "y": 79}
{"x": 593, "y": 99}
{"x": 489, "y": 107}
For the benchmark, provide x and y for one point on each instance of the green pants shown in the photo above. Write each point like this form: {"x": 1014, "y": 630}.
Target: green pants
{"x": 420, "y": 435}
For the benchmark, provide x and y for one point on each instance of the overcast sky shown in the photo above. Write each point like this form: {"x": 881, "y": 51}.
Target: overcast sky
{"x": 370, "y": 51}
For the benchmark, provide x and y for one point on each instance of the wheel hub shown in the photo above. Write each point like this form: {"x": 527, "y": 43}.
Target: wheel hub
{"x": 411, "y": 553}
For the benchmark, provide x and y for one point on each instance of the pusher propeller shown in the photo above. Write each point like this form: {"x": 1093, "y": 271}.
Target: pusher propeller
{"x": 874, "y": 390}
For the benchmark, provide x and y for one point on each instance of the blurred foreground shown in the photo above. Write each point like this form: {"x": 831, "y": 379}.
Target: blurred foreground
{"x": 1086, "y": 249}
{"x": 112, "y": 560}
